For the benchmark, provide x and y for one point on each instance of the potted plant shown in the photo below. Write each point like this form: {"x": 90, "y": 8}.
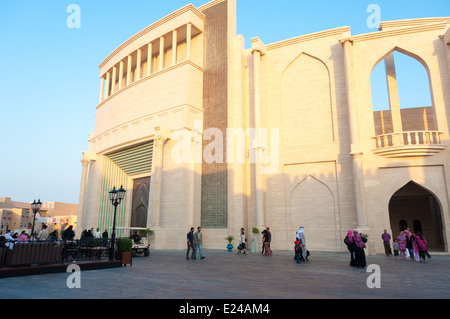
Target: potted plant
{"x": 229, "y": 246}
{"x": 147, "y": 232}
{"x": 124, "y": 249}
{"x": 254, "y": 240}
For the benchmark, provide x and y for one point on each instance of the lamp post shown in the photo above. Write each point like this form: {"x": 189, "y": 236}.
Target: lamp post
{"x": 35, "y": 207}
{"x": 115, "y": 196}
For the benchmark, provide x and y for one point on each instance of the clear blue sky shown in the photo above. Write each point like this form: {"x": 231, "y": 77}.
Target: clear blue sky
{"x": 49, "y": 79}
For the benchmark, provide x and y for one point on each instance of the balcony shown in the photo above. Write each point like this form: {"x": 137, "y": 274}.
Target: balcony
{"x": 409, "y": 144}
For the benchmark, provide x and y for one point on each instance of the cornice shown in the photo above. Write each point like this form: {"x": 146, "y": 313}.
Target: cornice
{"x": 145, "y": 118}
{"x": 151, "y": 27}
{"x": 412, "y": 22}
{"x": 309, "y": 37}
{"x": 210, "y": 4}
{"x": 398, "y": 32}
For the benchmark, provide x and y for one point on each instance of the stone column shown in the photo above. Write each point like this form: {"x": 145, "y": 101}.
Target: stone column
{"x": 355, "y": 152}
{"x": 394, "y": 102}
{"x": 130, "y": 61}
{"x": 85, "y": 162}
{"x": 446, "y": 39}
{"x": 138, "y": 64}
{"x": 108, "y": 81}
{"x": 120, "y": 74}
{"x": 161, "y": 53}
{"x": 149, "y": 58}
{"x": 258, "y": 50}
{"x": 102, "y": 88}
{"x": 188, "y": 40}
{"x": 113, "y": 80}
{"x": 161, "y": 136}
{"x": 174, "y": 46}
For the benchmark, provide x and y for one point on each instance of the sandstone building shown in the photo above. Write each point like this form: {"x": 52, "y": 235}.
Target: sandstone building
{"x": 19, "y": 216}
{"x": 202, "y": 131}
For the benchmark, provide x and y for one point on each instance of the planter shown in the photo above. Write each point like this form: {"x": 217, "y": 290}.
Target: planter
{"x": 230, "y": 248}
{"x": 126, "y": 258}
{"x": 254, "y": 245}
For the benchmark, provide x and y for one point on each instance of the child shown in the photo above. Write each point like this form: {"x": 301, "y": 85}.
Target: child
{"x": 298, "y": 251}
{"x": 402, "y": 245}
{"x": 416, "y": 251}
{"x": 395, "y": 247}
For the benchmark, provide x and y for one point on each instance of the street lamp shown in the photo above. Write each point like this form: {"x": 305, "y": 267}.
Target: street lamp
{"x": 35, "y": 207}
{"x": 115, "y": 196}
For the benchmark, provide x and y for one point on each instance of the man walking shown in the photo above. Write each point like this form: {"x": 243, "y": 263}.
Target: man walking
{"x": 267, "y": 250}
{"x": 387, "y": 243}
{"x": 198, "y": 243}
{"x": 190, "y": 243}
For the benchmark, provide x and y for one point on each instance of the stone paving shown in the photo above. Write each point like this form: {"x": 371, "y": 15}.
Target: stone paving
{"x": 224, "y": 275}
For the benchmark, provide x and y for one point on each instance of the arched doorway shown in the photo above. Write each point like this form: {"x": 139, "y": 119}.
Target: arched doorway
{"x": 139, "y": 209}
{"x": 415, "y": 208}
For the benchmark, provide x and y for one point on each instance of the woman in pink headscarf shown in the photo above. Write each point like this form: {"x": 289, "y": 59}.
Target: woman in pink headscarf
{"x": 421, "y": 244}
{"x": 351, "y": 247}
{"x": 360, "y": 255}
{"x": 409, "y": 243}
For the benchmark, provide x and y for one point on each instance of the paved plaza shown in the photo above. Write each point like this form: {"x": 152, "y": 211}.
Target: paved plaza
{"x": 224, "y": 275}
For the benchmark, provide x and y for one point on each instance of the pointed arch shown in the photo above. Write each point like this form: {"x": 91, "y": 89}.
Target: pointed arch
{"x": 303, "y": 53}
{"x": 312, "y": 205}
{"x": 414, "y": 57}
{"x": 307, "y": 107}
{"x": 402, "y": 96}
{"x": 412, "y": 203}
{"x": 405, "y": 52}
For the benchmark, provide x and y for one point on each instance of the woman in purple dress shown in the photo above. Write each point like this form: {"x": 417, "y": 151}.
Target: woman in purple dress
{"x": 402, "y": 245}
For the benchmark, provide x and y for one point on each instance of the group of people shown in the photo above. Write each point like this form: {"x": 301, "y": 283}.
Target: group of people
{"x": 194, "y": 243}
{"x": 11, "y": 238}
{"x": 88, "y": 235}
{"x": 266, "y": 239}
{"x": 406, "y": 245}
{"x": 91, "y": 233}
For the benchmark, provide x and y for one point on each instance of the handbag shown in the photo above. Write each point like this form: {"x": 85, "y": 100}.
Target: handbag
{"x": 347, "y": 241}
{"x": 239, "y": 247}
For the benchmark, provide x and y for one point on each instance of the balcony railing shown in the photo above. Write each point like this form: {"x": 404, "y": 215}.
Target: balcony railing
{"x": 409, "y": 144}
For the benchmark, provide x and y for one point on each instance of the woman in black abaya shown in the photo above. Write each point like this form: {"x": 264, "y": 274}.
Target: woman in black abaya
{"x": 360, "y": 255}
{"x": 350, "y": 242}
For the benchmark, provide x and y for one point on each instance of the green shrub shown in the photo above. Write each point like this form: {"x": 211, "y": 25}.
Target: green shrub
{"x": 124, "y": 244}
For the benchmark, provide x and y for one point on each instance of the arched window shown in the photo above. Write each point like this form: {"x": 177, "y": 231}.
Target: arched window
{"x": 401, "y": 95}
